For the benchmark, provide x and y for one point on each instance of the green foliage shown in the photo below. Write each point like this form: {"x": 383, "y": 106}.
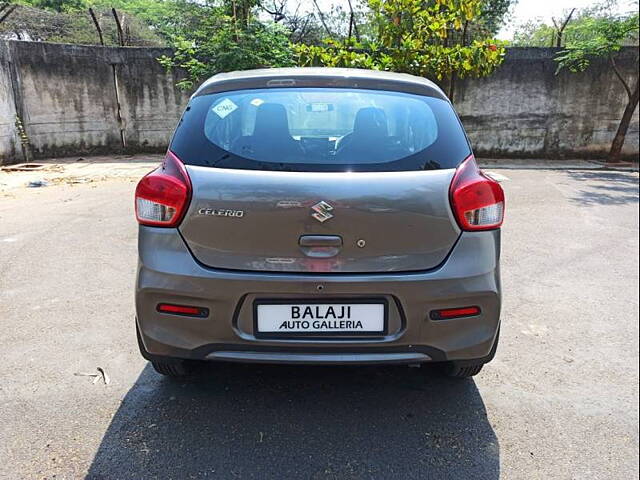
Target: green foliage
{"x": 164, "y": 18}
{"x": 493, "y": 14}
{"x": 168, "y": 18}
{"x": 436, "y": 38}
{"x": 414, "y": 38}
{"x": 600, "y": 35}
{"x": 56, "y": 5}
{"x": 596, "y": 37}
{"x": 223, "y": 44}
{"x": 584, "y": 25}
{"x": 28, "y": 23}
{"x": 534, "y": 33}
{"x": 61, "y": 5}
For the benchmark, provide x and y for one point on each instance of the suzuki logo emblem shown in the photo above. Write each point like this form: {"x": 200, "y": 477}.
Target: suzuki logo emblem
{"x": 322, "y": 211}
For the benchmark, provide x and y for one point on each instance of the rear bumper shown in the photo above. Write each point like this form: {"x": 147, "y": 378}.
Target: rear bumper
{"x": 319, "y": 358}
{"x": 168, "y": 273}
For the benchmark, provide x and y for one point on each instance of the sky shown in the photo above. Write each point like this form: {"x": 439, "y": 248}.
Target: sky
{"x": 523, "y": 11}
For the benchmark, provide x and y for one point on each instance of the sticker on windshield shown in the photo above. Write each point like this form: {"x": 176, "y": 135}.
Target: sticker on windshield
{"x": 256, "y": 102}
{"x": 224, "y": 108}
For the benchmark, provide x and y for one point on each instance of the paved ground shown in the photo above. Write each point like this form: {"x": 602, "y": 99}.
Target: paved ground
{"x": 75, "y": 170}
{"x": 559, "y": 401}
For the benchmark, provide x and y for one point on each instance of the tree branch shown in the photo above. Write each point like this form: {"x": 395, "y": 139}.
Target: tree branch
{"x": 564, "y": 25}
{"x": 321, "y": 15}
{"x": 97, "y": 24}
{"x": 353, "y": 21}
{"x": 619, "y": 75}
{"x": 560, "y": 28}
{"x": 277, "y": 12}
{"x": 118, "y": 27}
{"x": 7, "y": 13}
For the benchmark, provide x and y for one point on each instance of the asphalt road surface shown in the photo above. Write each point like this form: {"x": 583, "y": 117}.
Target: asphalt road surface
{"x": 559, "y": 401}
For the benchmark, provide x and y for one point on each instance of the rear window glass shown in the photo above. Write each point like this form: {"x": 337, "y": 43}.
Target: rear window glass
{"x": 320, "y": 129}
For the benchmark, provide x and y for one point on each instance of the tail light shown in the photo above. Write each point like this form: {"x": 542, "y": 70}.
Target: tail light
{"x": 477, "y": 200}
{"x": 162, "y": 196}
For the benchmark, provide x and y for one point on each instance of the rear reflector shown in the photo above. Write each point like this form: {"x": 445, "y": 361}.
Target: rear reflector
{"x": 162, "y": 196}
{"x": 454, "y": 313}
{"x": 477, "y": 200}
{"x": 183, "y": 310}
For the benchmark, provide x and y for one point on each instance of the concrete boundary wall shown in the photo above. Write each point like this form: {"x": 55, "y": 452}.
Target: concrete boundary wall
{"x": 9, "y": 140}
{"x": 81, "y": 100}
{"x": 524, "y": 109}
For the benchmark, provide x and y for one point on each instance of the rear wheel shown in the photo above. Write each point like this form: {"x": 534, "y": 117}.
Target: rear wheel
{"x": 174, "y": 368}
{"x": 171, "y": 367}
{"x": 455, "y": 371}
{"x": 469, "y": 368}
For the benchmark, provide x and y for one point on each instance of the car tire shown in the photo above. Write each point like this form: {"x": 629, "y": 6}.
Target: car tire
{"x": 171, "y": 367}
{"x": 469, "y": 368}
{"x": 454, "y": 371}
{"x": 174, "y": 369}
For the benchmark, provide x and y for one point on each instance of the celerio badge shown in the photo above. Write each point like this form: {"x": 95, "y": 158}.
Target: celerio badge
{"x": 221, "y": 212}
{"x": 322, "y": 211}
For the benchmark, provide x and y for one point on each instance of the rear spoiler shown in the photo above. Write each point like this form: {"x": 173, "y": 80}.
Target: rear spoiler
{"x": 280, "y": 80}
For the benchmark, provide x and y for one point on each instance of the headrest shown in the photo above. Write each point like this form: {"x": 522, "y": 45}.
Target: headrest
{"x": 271, "y": 120}
{"x": 370, "y": 121}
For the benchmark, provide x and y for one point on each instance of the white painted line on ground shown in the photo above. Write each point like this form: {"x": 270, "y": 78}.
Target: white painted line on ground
{"x": 498, "y": 177}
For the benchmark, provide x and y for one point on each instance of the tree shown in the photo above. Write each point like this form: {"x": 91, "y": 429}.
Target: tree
{"x": 603, "y": 37}
{"x": 493, "y": 14}
{"x": 414, "y": 37}
{"x": 229, "y": 38}
{"x": 167, "y": 18}
{"x": 311, "y": 22}
{"x": 533, "y": 33}
{"x": 303, "y": 24}
{"x": 147, "y": 22}
{"x": 58, "y": 5}
{"x": 565, "y": 30}
{"x": 76, "y": 27}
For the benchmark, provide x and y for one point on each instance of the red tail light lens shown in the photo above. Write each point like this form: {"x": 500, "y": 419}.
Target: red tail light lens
{"x": 477, "y": 200}
{"x": 162, "y": 196}
{"x": 183, "y": 310}
{"x": 454, "y": 313}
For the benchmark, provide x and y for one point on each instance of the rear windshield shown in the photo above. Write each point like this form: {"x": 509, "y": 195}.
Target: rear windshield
{"x": 320, "y": 129}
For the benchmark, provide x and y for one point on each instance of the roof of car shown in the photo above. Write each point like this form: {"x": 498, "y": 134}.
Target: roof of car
{"x": 319, "y": 77}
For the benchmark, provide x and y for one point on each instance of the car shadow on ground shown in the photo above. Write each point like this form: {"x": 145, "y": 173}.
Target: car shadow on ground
{"x": 606, "y": 188}
{"x": 258, "y": 421}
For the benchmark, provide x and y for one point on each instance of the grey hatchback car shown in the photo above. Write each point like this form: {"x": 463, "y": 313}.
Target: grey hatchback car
{"x": 319, "y": 216}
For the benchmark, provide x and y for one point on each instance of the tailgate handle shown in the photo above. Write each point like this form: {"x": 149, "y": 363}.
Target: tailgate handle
{"x": 320, "y": 246}
{"x": 320, "y": 241}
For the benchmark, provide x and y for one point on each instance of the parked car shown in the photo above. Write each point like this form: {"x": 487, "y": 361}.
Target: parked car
{"x": 319, "y": 216}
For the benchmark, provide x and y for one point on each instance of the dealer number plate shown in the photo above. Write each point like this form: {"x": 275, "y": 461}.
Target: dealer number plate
{"x": 315, "y": 318}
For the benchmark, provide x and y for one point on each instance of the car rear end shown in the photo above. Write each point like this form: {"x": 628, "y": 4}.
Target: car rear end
{"x": 319, "y": 216}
